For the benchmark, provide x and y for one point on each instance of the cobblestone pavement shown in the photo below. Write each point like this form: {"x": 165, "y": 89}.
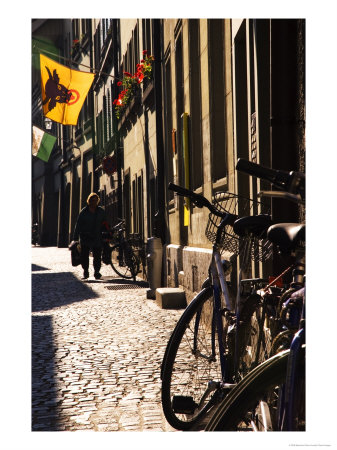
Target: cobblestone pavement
{"x": 97, "y": 347}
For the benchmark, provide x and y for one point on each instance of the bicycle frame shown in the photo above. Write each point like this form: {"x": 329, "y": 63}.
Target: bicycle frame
{"x": 217, "y": 275}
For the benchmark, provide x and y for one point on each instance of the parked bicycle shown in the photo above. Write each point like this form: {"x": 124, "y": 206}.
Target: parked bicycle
{"x": 139, "y": 248}
{"x": 35, "y": 234}
{"x": 207, "y": 350}
{"x": 120, "y": 253}
{"x": 272, "y": 396}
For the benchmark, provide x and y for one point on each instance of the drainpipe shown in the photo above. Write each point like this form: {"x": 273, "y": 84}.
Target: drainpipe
{"x": 159, "y": 220}
{"x": 61, "y": 225}
{"x": 118, "y": 149}
{"x": 147, "y": 170}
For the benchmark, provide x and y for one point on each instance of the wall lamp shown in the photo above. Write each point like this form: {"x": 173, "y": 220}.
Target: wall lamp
{"x": 48, "y": 124}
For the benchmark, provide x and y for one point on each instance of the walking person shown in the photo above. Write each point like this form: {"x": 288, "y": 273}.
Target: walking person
{"x": 88, "y": 230}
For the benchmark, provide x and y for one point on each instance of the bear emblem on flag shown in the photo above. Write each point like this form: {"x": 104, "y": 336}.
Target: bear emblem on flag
{"x": 55, "y": 91}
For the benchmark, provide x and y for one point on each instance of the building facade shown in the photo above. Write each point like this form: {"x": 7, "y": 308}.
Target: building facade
{"x": 219, "y": 90}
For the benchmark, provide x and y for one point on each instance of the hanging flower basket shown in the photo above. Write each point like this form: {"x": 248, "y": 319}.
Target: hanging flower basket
{"x": 131, "y": 83}
{"x": 109, "y": 165}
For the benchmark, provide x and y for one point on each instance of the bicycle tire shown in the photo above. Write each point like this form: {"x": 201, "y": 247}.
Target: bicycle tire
{"x": 129, "y": 266}
{"x": 186, "y": 373}
{"x": 131, "y": 259}
{"x": 205, "y": 285}
{"x": 233, "y": 410}
{"x": 242, "y": 409}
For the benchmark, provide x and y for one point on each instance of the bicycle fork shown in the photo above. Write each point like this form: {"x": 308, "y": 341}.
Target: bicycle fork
{"x": 220, "y": 285}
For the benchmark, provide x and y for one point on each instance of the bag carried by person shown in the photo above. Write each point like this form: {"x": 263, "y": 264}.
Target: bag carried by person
{"x": 106, "y": 253}
{"x": 75, "y": 249}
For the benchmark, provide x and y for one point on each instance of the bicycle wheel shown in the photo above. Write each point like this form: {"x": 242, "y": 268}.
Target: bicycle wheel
{"x": 123, "y": 261}
{"x": 253, "y": 405}
{"x": 191, "y": 366}
{"x": 131, "y": 259}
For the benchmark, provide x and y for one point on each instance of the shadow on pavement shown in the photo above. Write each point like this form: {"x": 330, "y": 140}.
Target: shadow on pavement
{"x": 45, "y": 414}
{"x": 51, "y": 290}
{"x": 36, "y": 268}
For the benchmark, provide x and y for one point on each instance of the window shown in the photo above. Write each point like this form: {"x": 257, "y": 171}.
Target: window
{"x": 179, "y": 97}
{"x": 76, "y": 28}
{"x": 137, "y": 204}
{"x": 147, "y": 35}
{"x": 97, "y": 46}
{"x": 131, "y": 57}
{"x": 87, "y": 106}
{"x": 101, "y": 33}
{"x": 109, "y": 115}
{"x": 126, "y": 201}
{"x": 169, "y": 135}
{"x": 99, "y": 127}
{"x": 196, "y": 156}
{"x": 134, "y": 205}
{"x": 105, "y": 120}
{"x": 85, "y": 26}
{"x": 217, "y": 98}
{"x": 85, "y": 113}
{"x": 140, "y": 229}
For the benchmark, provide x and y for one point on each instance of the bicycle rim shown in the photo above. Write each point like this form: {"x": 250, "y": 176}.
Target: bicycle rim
{"x": 119, "y": 264}
{"x": 191, "y": 364}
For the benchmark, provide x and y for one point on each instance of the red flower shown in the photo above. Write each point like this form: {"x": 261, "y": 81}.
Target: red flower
{"x": 140, "y": 77}
{"x": 127, "y": 74}
{"x": 144, "y": 52}
{"x": 119, "y": 83}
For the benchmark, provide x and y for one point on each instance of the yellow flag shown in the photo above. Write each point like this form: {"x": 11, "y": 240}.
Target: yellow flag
{"x": 63, "y": 91}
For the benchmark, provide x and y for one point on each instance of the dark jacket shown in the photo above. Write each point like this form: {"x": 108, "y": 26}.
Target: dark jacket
{"x": 88, "y": 228}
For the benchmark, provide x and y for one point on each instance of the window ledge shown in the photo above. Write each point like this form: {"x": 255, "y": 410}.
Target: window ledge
{"x": 220, "y": 185}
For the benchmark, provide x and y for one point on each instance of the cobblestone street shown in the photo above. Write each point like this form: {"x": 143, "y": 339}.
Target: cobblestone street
{"x": 97, "y": 348}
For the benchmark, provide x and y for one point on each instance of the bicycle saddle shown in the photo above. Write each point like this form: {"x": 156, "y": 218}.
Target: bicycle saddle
{"x": 286, "y": 235}
{"x": 256, "y": 225}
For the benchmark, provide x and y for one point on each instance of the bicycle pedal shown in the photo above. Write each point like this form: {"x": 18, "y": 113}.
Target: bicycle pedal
{"x": 183, "y": 404}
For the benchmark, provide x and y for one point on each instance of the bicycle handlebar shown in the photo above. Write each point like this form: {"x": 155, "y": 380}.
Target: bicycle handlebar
{"x": 277, "y": 177}
{"x": 293, "y": 182}
{"x": 119, "y": 224}
{"x": 199, "y": 200}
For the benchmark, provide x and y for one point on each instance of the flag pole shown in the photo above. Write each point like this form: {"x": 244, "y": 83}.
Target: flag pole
{"x": 70, "y": 61}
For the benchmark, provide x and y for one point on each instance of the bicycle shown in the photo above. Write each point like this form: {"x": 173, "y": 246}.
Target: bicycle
{"x": 272, "y": 396}
{"x": 118, "y": 252}
{"x": 139, "y": 248}
{"x": 35, "y": 234}
{"x": 202, "y": 361}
